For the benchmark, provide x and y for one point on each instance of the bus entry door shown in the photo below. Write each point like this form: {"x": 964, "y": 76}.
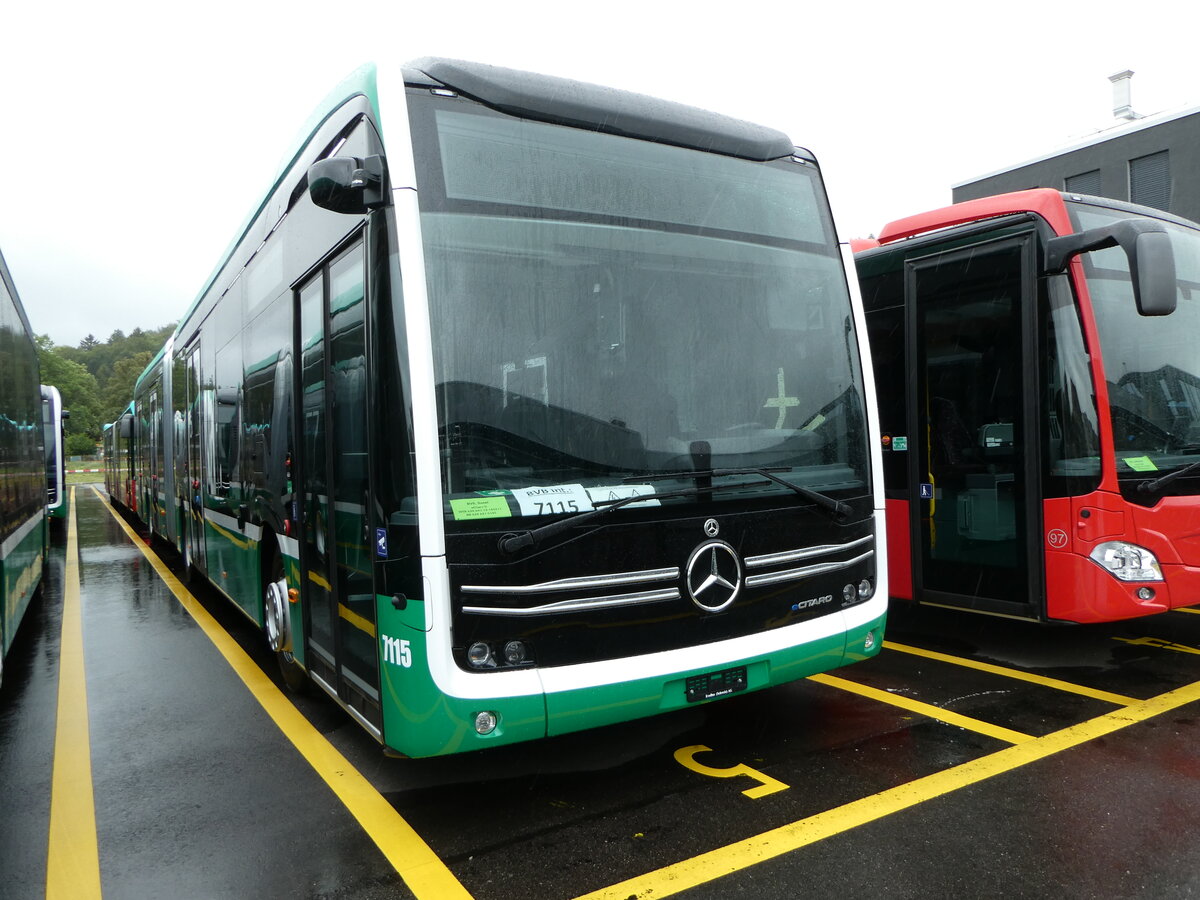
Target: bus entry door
{"x": 335, "y": 548}
{"x": 969, "y": 331}
{"x": 191, "y": 487}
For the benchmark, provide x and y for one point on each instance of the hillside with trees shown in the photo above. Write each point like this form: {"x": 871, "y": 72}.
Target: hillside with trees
{"x": 96, "y": 379}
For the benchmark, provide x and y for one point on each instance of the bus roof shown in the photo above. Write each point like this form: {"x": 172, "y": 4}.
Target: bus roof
{"x": 1045, "y": 202}
{"x": 597, "y": 108}
{"x": 1048, "y": 203}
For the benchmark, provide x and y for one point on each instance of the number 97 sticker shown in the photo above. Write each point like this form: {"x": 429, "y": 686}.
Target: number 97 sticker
{"x": 552, "y": 501}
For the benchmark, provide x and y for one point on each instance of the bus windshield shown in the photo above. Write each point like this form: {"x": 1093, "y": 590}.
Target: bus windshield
{"x": 1151, "y": 363}
{"x": 606, "y": 309}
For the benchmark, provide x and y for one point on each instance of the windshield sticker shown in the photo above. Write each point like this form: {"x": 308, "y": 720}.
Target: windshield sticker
{"x": 900, "y": 442}
{"x": 782, "y": 402}
{"x": 605, "y": 495}
{"x": 554, "y": 500}
{"x": 467, "y": 508}
{"x": 1140, "y": 463}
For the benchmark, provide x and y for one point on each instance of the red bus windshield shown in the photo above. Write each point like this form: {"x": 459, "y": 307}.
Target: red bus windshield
{"x": 1151, "y": 363}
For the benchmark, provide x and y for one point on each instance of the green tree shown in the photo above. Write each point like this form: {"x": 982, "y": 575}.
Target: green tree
{"x": 80, "y": 392}
{"x": 118, "y": 390}
{"x": 100, "y": 358}
{"x": 79, "y": 445}
{"x": 96, "y": 379}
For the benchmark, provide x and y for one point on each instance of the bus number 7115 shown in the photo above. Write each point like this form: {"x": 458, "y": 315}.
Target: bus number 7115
{"x": 397, "y": 651}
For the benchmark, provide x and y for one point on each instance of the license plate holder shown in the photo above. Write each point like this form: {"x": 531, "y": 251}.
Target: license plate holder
{"x": 711, "y": 685}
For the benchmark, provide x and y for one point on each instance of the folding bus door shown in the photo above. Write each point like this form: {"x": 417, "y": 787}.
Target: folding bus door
{"x": 971, "y": 408}
{"x": 336, "y": 547}
{"x": 192, "y": 488}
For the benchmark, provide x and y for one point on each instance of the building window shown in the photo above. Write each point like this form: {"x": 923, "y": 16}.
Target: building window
{"x": 1083, "y": 183}
{"x": 1150, "y": 181}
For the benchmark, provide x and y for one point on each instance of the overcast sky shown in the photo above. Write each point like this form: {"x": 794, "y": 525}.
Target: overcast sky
{"x": 138, "y": 136}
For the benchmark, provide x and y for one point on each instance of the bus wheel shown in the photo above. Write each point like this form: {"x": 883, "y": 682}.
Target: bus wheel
{"x": 277, "y": 622}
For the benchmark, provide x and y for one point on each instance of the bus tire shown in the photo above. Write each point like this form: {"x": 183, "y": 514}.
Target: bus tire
{"x": 277, "y": 625}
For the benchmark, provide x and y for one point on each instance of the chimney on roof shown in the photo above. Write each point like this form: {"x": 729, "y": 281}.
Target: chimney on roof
{"x": 1122, "y": 108}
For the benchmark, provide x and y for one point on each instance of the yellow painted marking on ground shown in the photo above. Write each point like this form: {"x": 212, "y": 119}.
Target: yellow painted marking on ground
{"x": 424, "y": 873}
{"x": 743, "y": 855}
{"x": 73, "y": 857}
{"x": 1159, "y": 643}
{"x": 1067, "y": 686}
{"x": 686, "y": 757}
{"x": 1187, "y": 609}
{"x": 925, "y": 709}
{"x": 319, "y": 580}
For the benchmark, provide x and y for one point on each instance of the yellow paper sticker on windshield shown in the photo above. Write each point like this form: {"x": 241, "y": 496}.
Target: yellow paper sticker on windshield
{"x": 1141, "y": 463}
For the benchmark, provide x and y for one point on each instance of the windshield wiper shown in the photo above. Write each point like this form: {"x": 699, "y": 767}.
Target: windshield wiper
{"x": 514, "y": 543}
{"x": 1151, "y": 485}
{"x": 838, "y": 508}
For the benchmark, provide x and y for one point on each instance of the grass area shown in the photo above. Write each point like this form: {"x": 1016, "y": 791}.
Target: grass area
{"x": 86, "y": 477}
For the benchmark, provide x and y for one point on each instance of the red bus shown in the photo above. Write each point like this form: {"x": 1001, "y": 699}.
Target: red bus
{"x": 1037, "y": 357}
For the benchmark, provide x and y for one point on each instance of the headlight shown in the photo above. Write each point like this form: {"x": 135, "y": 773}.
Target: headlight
{"x": 479, "y": 655}
{"x": 1126, "y": 561}
{"x": 515, "y": 653}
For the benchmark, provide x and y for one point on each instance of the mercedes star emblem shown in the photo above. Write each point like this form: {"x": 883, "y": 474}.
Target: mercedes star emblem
{"x": 714, "y": 576}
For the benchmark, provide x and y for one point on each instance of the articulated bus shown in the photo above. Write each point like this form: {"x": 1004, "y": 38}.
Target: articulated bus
{"x": 1039, "y": 384}
{"x": 53, "y": 415}
{"x": 522, "y": 406}
{"x": 23, "y": 531}
{"x": 119, "y": 462}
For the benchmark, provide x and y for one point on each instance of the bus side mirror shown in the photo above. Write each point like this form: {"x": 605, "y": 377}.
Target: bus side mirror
{"x": 126, "y": 426}
{"x": 346, "y": 184}
{"x": 1147, "y": 246}
{"x": 1152, "y": 267}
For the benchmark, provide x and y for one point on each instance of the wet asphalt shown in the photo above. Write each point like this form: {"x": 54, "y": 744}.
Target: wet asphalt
{"x": 1072, "y": 778}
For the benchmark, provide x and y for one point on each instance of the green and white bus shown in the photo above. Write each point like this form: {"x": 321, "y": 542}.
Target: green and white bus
{"x": 53, "y": 414}
{"x": 23, "y": 530}
{"x": 521, "y": 406}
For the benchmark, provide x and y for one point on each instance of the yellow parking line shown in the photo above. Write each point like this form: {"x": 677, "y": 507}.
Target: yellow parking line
{"x": 1187, "y": 609}
{"x": 925, "y": 709}
{"x": 743, "y": 855}
{"x": 422, "y": 870}
{"x": 73, "y": 857}
{"x": 1106, "y": 696}
{"x": 1160, "y": 644}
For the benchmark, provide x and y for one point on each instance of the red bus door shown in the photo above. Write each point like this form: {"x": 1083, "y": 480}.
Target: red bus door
{"x": 974, "y": 504}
